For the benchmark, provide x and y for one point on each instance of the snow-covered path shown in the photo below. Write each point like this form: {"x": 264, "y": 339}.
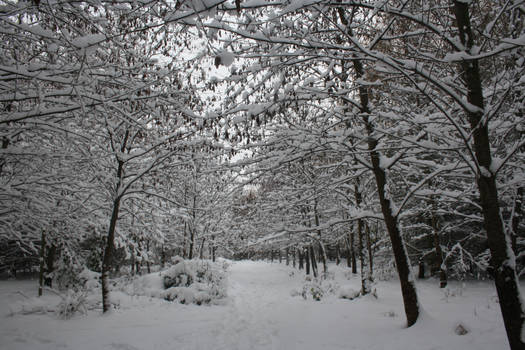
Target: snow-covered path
{"x": 260, "y": 313}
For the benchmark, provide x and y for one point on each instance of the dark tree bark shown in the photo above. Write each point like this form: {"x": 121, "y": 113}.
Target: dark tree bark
{"x": 421, "y": 272}
{"x": 301, "y": 259}
{"x": 133, "y": 272}
{"x": 148, "y": 264}
{"x": 502, "y": 258}
{"x": 307, "y": 260}
{"x": 42, "y": 260}
{"x": 365, "y": 289}
{"x": 50, "y": 265}
{"x": 108, "y": 252}
{"x": 337, "y": 254}
{"x": 313, "y": 261}
{"x": 406, "y": 280}
{"x": 370, "y": 256}
{"x": 352, "y": 252}
{"x": 439, "y": 264}
{"x": 516, "y": 218}
{"x": 201, "y": 249}
{"x": 348, "y": 253}
{"x": 184, "y": 253}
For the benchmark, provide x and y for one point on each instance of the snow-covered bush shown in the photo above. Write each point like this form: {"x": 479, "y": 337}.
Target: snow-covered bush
{"x": 316, "y": 288}
{"x": 187, "y": 281}
{"x": 90, "y": 280}
{"x": 347, "y": 292}
{"x": 71, "y": 302}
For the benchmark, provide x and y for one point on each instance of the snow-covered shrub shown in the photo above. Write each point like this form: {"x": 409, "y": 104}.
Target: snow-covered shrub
{"x": 71, "y": 302}
{"x": 179, "y": 275}
{"x": 176, "y": 259}
{"x": 450, "y": 292}
{"x": 90, "y": 280}
{"x": 312, "y": 289}
{"x": 188, "y": 281}
{"x": 316, "y": 288}
{"x": 461, "y": 329}
{"x": 347, "y": 292}
{"x": 194, "y": 281}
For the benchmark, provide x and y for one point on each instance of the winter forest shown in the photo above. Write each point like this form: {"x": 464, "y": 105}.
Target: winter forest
{"x": 262, "y": 174}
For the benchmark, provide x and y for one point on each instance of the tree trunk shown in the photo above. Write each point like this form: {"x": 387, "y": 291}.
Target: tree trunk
{"x": 50, "y": 265}
{"x": 503, "y": 258}
{"x": 323, "y": 257}
{"x": 440, "y": 266}
{"x": 365, "y": 289}
{"x": 162, "y": 256}
{"x": 337, "y": 254}
{"x": 201, "y": 249}
{"x": 41, "y": 260}
{"x": 192, "y": 243}
{"x": 348, "y": 253}
{"x": 148, "y": 265}
{"x": 184, "y": 240}
{"x": 132, "y": 260}
{"x": 313, "y": 261}
{"x": 287, "y": 252}
{"x": 370, "y": 256}
{"x": 406, "y": 280}
{"x": 108, "y": 255}
{"x": 421, "y": 272}
{"x": 301, "y": 259}
{"x": 307, "y": 260}
{"x": 516, "y": 218}
{"x": 352, "y": 252}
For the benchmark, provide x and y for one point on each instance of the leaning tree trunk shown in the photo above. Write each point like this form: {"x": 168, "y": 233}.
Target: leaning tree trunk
{"x": 502, "y": 256}
{"x": 408, "y": 287}
{"x": 406, "y": 280}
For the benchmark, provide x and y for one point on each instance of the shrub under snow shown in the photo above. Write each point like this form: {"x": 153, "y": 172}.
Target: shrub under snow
{"x": 316, "y": 288}
{"x": 188, "y": 281}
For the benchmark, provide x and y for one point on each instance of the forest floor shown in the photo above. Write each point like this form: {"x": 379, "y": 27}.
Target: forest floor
{"x": 261, "y": 313}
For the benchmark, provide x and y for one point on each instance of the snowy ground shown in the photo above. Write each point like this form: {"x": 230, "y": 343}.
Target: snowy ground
{"x": 260, "y": 313}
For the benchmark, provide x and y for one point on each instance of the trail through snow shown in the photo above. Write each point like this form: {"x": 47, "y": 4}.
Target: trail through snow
{"x": 260, "y": 313}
